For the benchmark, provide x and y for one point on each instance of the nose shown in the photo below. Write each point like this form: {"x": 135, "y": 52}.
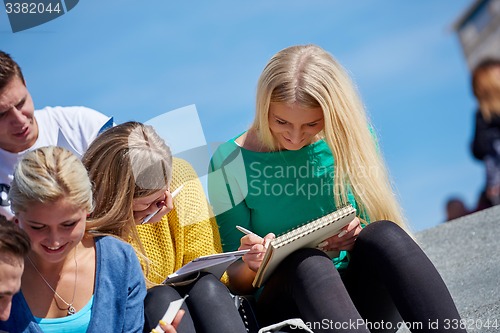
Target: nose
{"x": 296, "y": 135}
{"x": 17, "y": 116}
{"x": 54, "y": 238}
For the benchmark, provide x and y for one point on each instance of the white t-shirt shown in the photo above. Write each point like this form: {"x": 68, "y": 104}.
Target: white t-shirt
{"x": 73, "y": 128}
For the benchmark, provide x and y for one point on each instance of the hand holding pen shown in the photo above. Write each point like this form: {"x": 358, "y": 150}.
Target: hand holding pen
{"x": 162, "y": 204}
{"x": 257, "y": 246}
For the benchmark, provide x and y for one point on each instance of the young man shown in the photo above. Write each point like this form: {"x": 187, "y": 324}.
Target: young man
{"x": 14, "y": 246}
{"x": 22, "y": 128}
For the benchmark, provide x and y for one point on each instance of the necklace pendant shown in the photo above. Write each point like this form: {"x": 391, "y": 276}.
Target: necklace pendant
{"x": 71, "y": 310}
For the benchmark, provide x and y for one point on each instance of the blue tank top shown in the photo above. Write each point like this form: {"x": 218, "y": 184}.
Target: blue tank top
{"x": 77, "y": 323}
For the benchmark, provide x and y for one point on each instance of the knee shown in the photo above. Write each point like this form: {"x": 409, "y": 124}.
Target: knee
{"x": 160, "y": 295}
{"x": 304, "y": 255}
{"x": 209, "y": 286}
{"x": 382, "y": 235}
{"x": 380, "y": 230}
{"x": 156, "y": 303}
{"x": 307, "y": 262}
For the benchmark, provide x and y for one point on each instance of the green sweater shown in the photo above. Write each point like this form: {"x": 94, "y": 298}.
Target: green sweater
{"x": 271, "y": 191}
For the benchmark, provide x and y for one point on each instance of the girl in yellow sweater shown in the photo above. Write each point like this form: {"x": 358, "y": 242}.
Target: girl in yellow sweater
{"x": 134, "y": 174}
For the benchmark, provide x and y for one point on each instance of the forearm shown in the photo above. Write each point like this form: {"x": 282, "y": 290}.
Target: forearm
{"x": 240, "y": 278}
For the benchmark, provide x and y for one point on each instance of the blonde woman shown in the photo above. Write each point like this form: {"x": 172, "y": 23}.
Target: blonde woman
{"x": 134, "y": 175}
{"x": 72, "y": 281}
{"x": 486, "y": 141}
{"x": 310, "y": 150}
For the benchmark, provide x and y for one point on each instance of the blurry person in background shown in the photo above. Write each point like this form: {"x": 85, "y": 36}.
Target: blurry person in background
{"x": 486, "y": 142}
{"x": 455, "y": 208}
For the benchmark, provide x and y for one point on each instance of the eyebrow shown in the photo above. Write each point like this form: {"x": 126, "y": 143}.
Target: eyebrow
{"x": 22, "y": 100}
{"x": 315, "y": 121}
{"x": 309, "y": 122}
{"x": 62, "y": 222}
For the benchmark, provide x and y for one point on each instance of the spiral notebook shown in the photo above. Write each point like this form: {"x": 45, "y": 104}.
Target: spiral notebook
{"x": 307, "y": 235}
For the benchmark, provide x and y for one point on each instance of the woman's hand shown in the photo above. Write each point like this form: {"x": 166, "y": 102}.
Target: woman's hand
{"x": 257, "y": 246}
{"x": 154, "y": 210}
{"x": 344, "y": 240}
{"x": 171, "y": 328}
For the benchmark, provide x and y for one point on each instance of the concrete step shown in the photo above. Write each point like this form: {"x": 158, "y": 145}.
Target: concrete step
{"x": 466, "y": 252}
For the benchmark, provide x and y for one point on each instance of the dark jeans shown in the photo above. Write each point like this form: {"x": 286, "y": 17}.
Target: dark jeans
{"x": 209, "y": 307}
{"x": 389, "y": 279}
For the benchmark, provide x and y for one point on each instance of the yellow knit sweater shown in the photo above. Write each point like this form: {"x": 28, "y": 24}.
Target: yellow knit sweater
{"x": 186, "y": 232}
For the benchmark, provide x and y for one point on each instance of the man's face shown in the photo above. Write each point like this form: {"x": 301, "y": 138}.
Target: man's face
{"x": 18, "y": 127}
{"x": 11, "y": 270}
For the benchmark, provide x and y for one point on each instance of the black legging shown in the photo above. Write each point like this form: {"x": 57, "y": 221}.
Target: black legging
{"x": 209, "y": 307}
{"x": 389, "y": 279}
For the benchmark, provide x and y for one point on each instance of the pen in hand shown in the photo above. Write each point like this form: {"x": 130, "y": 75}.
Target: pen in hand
{"x": 150, "y": 216}
{"x": 248, "y": 232}
{"x": 244, "y": 230}
{"x": 177, "y": 190}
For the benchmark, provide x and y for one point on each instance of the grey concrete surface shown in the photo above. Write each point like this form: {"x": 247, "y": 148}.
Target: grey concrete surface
{"x": 466, "y": 252}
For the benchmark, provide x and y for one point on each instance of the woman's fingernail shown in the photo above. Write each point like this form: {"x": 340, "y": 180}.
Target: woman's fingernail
{"x": 342, "y": 233}
{"x": 162, "y": 322}
{"x": 266, "y": 243}
{"x": 154, "y": 331}
{"x": 322, "y": 244}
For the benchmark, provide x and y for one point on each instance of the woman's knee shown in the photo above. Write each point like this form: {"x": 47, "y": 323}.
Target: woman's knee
{"x": 160, "y": 295}
{"x": 381, "y": 236}
{"x": 304, "y": 254}
{"x": 156, "y": 303}
{"x": 209, "y": 286}
{"x": 381, "y": 230}
{"x": 308, "y": 262}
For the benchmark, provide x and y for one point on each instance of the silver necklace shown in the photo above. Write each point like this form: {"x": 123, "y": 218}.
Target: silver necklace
{"x": 71, "y": 309}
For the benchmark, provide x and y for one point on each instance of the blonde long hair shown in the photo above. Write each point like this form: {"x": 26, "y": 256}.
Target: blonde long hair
{"x": 125, "y": 162}
{"x": 311, "y": 77}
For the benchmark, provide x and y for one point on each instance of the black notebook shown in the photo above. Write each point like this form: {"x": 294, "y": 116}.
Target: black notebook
{"x": 307, "y": 235}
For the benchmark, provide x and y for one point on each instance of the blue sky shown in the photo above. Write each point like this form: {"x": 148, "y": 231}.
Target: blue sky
{"x": 136, "y": 60}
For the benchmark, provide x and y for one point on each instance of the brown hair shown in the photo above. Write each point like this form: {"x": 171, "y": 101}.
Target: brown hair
{"x": 13, "y": 240}
{"x": 8, "y": 70}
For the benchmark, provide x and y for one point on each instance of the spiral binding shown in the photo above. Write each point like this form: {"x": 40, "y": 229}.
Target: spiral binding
{"x": 312, "y": 226}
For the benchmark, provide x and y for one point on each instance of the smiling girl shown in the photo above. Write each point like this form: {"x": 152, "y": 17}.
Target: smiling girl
{"x": 72, "y": 281}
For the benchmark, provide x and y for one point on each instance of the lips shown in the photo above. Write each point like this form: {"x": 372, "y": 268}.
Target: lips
{"x": 54, "y": 249}
{"x": 23, "y": 132}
